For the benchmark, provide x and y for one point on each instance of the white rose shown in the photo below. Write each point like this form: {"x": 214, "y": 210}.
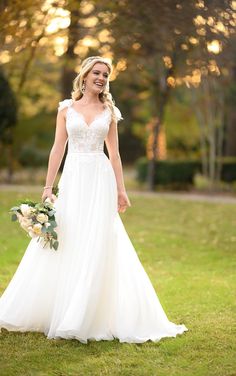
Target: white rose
{"x": 37, "y": 229}
{"x": 32, "y": 234}
{"x": 25, "y": 210}
{"x": 25, "y": 223}
{"x": 42, "y": 218}
{"x": 19, "y": 216}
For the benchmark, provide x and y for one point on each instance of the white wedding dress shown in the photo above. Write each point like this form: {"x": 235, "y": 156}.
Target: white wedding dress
{"x": 94, "y": 286}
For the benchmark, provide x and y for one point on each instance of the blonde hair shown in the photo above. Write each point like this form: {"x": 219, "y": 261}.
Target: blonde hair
{"x": 105, "y": 96}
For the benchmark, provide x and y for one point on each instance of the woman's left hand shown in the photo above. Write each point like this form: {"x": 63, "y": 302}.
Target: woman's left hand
{"x": 123, "y": 202}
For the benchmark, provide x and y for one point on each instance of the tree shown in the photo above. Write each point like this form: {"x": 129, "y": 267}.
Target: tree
{"x": 145, "y": 37}
{"x": 211, "y": 96}
{"x": 161, "y": 43}
{"x": 160, "y": 46}
{"x": 8, "y": 120}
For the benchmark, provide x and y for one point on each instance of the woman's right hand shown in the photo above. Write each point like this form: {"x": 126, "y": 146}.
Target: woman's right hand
{"x": 47, "y": 193}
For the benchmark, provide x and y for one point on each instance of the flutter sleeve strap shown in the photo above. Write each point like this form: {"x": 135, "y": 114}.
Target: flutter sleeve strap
{"x": 65, "y": 103}
{"x": 117, "y": 114}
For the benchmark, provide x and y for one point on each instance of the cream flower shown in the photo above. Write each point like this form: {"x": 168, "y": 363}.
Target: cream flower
{"x": 42, "y": 218}
{"x": 37, "y": 229}
{"x": 19, "y": 216}
{"x": 26, "y": 210}
{"x": 25, "y": 223}
{"x": 32, "y": 234}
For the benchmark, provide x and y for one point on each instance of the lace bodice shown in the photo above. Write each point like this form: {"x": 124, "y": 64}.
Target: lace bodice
{"x": 83, "y": 137}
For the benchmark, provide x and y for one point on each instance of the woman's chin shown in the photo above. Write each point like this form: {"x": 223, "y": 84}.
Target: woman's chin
{"x": 95, "y": 90}
{"x": 98, "y": 89}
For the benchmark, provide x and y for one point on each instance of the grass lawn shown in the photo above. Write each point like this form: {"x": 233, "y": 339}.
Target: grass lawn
{"x": 188, "y": 250}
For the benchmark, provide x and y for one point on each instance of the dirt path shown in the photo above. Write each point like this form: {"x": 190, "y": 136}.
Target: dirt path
{"x": 215, "y": 198}
{"x": 191, "y": 196}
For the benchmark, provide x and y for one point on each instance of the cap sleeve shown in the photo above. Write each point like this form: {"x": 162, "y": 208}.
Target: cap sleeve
{"x": 64, "y": 104}
{"x": 117, "y": 113}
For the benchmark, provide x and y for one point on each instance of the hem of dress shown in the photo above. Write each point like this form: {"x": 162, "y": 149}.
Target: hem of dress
{"x": 71, "y": 335}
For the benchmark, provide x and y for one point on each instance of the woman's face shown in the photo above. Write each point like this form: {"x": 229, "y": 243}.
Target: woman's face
{"x": 96, "y": 79}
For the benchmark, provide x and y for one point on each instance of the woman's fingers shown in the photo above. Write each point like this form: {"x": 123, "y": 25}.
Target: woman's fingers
{"x": 45, "y": 196}
{"x": 122, "y": 207}
{"x": 123, "y": 202}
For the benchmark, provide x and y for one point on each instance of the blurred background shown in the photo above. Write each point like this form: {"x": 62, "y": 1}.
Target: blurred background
{"x": 174, "y": 81}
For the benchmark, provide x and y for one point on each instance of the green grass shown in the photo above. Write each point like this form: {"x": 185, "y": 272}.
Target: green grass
{"x": 188, "y": 250}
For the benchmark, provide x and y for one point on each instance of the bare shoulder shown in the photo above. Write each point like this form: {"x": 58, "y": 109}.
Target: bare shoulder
{"x": 61, "y": 114}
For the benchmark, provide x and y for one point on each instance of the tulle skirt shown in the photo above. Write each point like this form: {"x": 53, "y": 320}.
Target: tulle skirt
{"x": 94, "y": 286}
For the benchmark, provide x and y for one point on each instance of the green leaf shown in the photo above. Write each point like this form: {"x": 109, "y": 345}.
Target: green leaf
{"x": 51, "y": 213}
{"x": 15, "y": 208}
{"x": 55, "y": 245}
{"x": 14, "y": 217}
{"x": 54, "y": 234}
{"x": 29, "y": 202}
{"x": 53, "y": 223}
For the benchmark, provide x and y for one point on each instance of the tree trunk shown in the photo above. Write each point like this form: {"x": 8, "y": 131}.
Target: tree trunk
{"x": 220, "y": 134}
{"x": 68, "y": 70}
{"x": 209, "y": 109}
{"x": 152, "y": 161}
{"x": 203, "y": 141}
{"x": 230, "y": 142}
{"x": 10, "y": 159}
{"x": 161, "y": 93}
{"x": 74, "y": 35}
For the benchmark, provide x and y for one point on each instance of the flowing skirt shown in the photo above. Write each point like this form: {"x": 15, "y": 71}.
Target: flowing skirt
{"x": 94, "y": 286}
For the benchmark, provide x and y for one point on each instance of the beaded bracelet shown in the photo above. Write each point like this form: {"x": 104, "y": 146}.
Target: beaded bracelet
{"x": 48, "y": 186}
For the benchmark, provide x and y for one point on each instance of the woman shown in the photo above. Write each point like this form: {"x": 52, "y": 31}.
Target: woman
{"x": 94, "y": 286}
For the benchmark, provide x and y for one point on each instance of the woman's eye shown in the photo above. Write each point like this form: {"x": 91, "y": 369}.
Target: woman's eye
{"x": 104, "y": 75}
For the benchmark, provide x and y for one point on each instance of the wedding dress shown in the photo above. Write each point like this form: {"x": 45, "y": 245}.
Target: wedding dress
{"x": 94, "y": 286}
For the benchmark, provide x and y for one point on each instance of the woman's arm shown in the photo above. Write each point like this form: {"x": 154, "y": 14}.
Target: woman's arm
{"x": 56, "y": 154}
{"x": 112, "y": 145}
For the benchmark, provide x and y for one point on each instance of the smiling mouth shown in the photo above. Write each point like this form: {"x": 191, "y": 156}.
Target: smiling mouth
{"x": 98, "y": 84}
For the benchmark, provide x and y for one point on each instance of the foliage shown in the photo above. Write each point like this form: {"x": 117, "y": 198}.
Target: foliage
{"x": 228, "y": 172}
{"x": 188, "y": 251}
{"x": 32, "y": 156}
{"x": 181, "y": 127}
{"x": 156, "y": 47}
{"x": 174, "y": 173}
{"x": 8, "y": 110}
{"x": 180, "y": 173}
{"x": 167, "y": 44}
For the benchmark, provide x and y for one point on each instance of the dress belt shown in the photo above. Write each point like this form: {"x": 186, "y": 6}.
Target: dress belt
{"x": 86, "y": 152}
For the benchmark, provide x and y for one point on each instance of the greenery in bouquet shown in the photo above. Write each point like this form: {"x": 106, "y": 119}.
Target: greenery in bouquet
{"x": 38, "y": 220}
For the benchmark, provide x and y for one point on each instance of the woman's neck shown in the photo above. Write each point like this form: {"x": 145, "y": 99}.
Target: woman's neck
{"x": 89, "y": 98}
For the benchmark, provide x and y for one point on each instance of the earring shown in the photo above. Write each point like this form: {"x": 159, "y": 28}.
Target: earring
{"x": 83, "y": 87}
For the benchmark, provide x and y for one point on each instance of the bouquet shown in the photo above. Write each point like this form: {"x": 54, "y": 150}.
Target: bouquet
{"x": 38, "y": 220}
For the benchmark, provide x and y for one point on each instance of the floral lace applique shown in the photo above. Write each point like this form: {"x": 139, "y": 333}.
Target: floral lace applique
{"x": 86, "y": 138}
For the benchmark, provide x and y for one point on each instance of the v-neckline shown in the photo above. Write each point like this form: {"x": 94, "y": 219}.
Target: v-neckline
{"x": 83, "y": 118}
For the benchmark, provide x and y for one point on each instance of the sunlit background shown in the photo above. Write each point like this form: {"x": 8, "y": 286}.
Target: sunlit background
{"x": 173, "y": 80}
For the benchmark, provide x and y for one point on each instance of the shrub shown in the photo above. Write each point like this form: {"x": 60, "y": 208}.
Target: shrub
{"x": 181, "y": 172}
{"x": 31, "y": 156}
{"x": 229, "y": 171}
